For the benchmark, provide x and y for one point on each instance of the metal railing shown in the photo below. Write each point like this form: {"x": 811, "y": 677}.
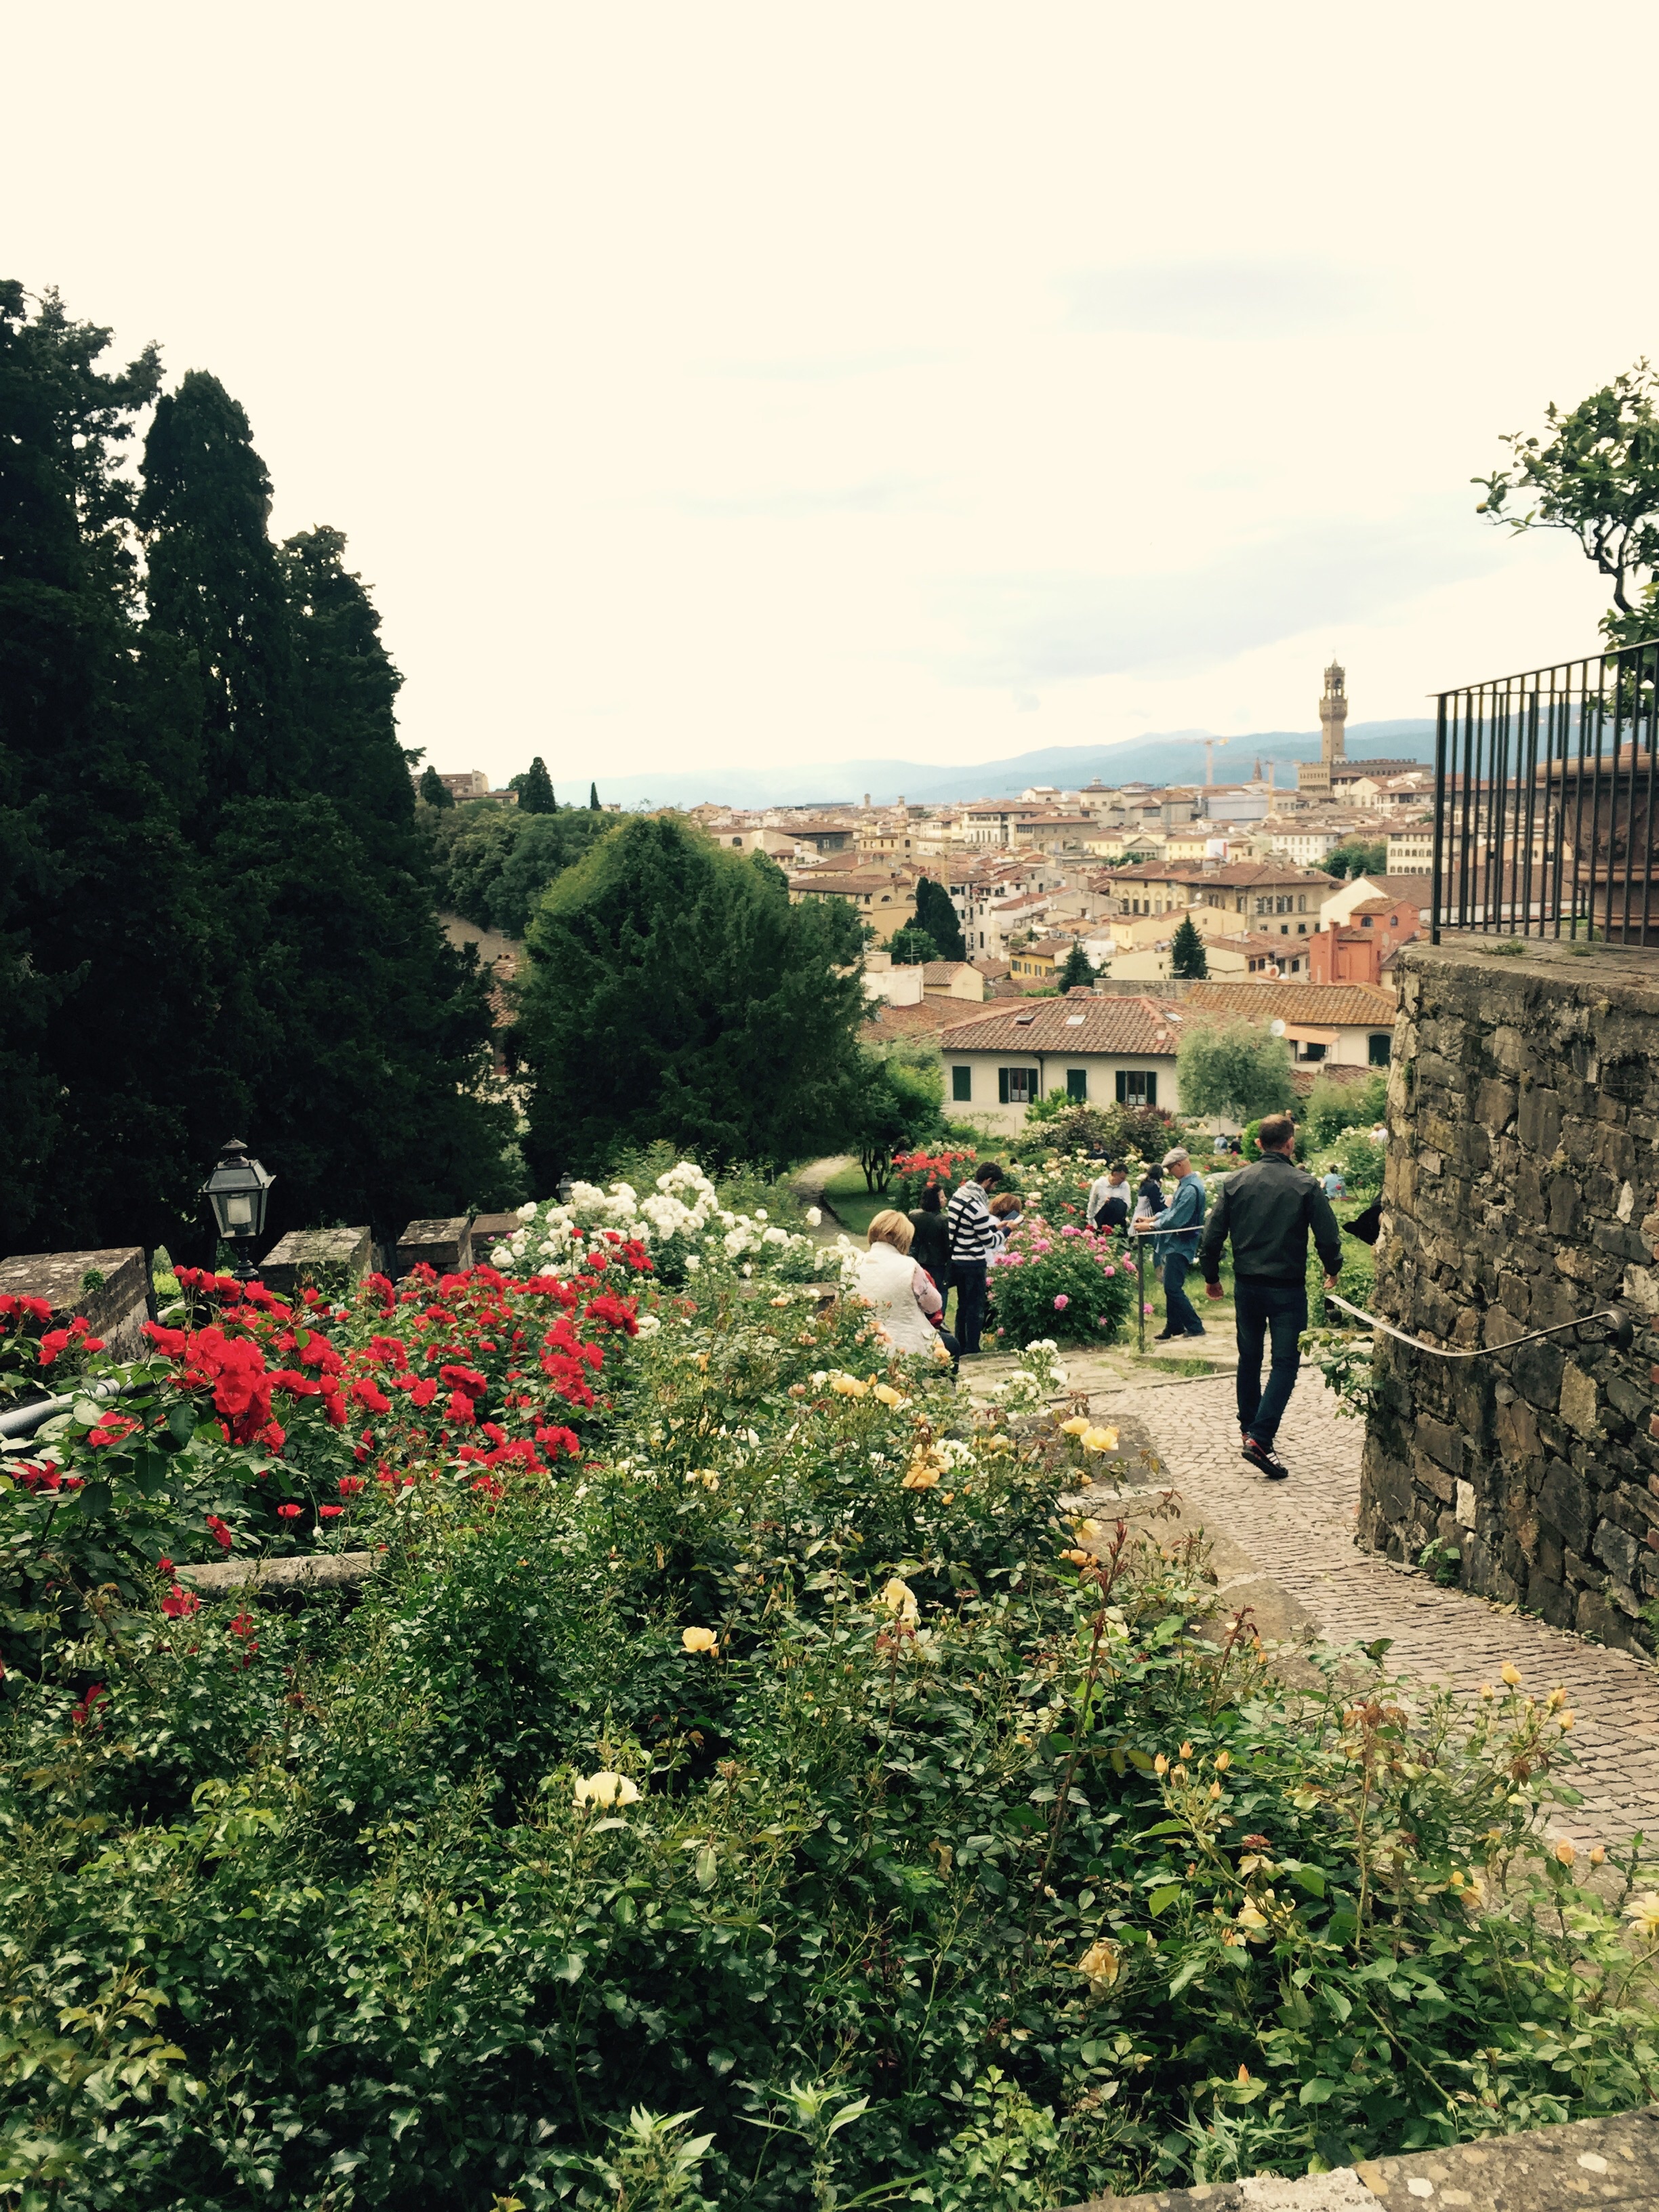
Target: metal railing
{"x": 1545, "y": 789}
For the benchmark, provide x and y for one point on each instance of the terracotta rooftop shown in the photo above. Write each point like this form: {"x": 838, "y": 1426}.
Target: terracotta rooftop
{"x": 1138, "y": 1029}
{"x": 926, "y": 1019}
{"x": 1339, "y": 1005}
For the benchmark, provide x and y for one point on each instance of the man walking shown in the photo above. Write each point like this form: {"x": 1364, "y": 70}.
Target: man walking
{"x": 1269, "y": 1209}
{"x": 973, "y": 1239}
{"x": 1176, "y": 1228}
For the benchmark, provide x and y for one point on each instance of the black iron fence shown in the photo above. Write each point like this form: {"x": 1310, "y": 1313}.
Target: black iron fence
{"x": 1544, "y": 786}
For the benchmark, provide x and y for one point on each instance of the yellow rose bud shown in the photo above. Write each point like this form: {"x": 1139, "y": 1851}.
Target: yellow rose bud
{"x": 1565, "y": 1852}
{"x": 1511, "y": 1673}
{"x": 1160, "y": 1765}
{"x": 1598, "y": 1854}
{"x": 1223, "y": 1759}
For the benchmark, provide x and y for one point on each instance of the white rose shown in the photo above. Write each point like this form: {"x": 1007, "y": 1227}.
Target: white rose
{"x": 814, "y": 1218}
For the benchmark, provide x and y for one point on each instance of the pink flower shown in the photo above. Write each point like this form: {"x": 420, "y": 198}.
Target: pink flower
{"x": 1148, "y": 1307}
{"x": 1062, "y": 1302}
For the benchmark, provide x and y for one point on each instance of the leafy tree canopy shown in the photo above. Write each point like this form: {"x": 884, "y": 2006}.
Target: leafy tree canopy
{"x": 1236, "y": 1069}
{"x": 1594, "y": 473}
{"x": 1188, "y": 957}
{"x": 1359, "y": 857}
{"x": 912, "y": 946}
{"x": 674, "y": 992}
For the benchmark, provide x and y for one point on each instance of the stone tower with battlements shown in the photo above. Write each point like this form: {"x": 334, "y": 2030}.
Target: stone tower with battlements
{"x": 1313, "y": 777}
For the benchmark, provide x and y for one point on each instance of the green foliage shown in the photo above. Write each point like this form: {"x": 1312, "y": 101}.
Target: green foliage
{"x": 1237, "y": 1069}
{"x": 1360, "y": 1161}
{"x": 912, "y": 946}
{"x": 982, "y": 1862}
{"x": 491, "y": 862}
{"x": 1595, "y": 474}
{"x": 1080, "y": 1289}
{"x": 212, "y": 908}
{"x": 1358, "y": 857}
{"x": 674, "y": 991}
{"x": 593, "y": 798}
{"x": 434, "y": 792}
{"x": 1077, "y": 971}
{"x": 535, "y": 789}
{"x": 938, "y": 916}
{"x": 1188, "y": 956}
{"x": 897, "y": 1096}
{"x": 1331, "y": 1108}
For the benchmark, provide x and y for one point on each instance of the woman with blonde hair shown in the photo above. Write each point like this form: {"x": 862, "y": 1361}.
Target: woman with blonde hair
{"x": 901, "y": 1293}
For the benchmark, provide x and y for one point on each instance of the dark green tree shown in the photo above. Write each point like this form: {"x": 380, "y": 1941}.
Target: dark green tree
{"x": 107, "y": 929}
{"x": 675, "y": 992}
{"x": 912, "y": 946}
{"x": 535, "y": 788}
{"x": 345, "y": 687}
{"x": 594, "y": 797}
{"x": 1077, "y": 971}
{"x": 1188, "y": 957}
{"x": 434, "y": 791}
{"x": 469, "y": 847}
{"x": 938, "y": 916}
{"x": 1359, "y": 857}
{"x": 213, "y": 582}
{"x": 547, "y": 845}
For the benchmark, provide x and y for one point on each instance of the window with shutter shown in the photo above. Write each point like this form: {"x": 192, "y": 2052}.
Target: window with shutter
{"x": 961, "y": 1084}
{"x": 1002, "y": 1086}
{"x": 1077, "y": 1082}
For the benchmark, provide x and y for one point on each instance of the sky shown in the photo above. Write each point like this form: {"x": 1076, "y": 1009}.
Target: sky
{"x": 754, "y": 383}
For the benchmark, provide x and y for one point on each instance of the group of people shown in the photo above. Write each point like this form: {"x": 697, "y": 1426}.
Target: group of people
{"x": 1267, "y": 1211}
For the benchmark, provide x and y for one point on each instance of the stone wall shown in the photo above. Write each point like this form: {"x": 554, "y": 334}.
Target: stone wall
{"x": 109, "y": 1288}
{"x": 1522, "y": 1190}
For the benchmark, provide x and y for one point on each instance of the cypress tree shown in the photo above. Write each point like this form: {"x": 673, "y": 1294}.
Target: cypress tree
{"x": 434, "y": 790}
{"x": 1077, "y": 972}
{"x": 1187, "y": 955}
{"x": 535, "y": 789}
{"x": 594, "y": 797}
{"x": 937, "y": 914}
{"x": 107, "y": 935}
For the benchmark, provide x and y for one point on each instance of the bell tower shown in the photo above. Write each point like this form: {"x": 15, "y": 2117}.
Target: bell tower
{"x": 1314, "y": 779}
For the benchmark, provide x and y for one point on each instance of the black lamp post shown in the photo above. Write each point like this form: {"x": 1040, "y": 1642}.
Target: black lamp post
{"x": 237, "y": 1190}
{"x": 565, "y": 1187}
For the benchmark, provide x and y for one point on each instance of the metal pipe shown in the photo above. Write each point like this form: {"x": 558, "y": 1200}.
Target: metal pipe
{"x": 24, "y": 1420}
{"x": 1623, "y": 1332}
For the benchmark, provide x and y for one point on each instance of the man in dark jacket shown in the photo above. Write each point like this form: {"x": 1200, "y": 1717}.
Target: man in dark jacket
{"x": 1269, "y": 1209}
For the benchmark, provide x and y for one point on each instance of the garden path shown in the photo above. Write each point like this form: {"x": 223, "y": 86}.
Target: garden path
{"x": 1299, "y": 1536}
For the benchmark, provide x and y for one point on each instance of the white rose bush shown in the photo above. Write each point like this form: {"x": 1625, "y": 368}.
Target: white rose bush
{"x": 679, "y": 1223}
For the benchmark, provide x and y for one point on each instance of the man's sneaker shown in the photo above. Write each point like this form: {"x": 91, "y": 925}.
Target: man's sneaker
{"x": 1263, "y": 1461}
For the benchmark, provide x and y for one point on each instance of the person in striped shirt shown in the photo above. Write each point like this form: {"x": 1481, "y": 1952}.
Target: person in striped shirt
{"x": 973, "y": 1240}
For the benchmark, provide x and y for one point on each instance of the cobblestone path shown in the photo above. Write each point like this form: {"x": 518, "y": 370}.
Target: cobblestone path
{"x": 1300, "y": 1534}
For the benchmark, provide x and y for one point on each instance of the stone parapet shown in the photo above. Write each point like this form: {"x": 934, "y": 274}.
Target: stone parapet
{"x": 110, "y": 1289}
{"x": 489, "y": 1229}
{"x": 445, "y": 1244}
{"x": 1522, "y": 1192}
{"x": 1611, "y": 2163}
{"x": 332, "y": 1259}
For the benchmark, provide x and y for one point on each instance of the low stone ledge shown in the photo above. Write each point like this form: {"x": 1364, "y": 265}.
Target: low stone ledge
{"x": 489, "y": 1229}
{"x": 315, "y": 1571}
{"x": 445, "y": 1244}
{"x": 326, "y": 1257}
{"x": 1611, "y": 2163}
{"x": 116, "y": 1307}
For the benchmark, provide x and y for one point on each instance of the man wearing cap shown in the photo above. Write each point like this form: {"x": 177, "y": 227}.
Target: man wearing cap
{"x": 1176, "y": 1229}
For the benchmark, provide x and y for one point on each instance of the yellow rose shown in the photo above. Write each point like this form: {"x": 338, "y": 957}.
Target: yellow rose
{"x": 1511, "y": 1673}
{"x": 1565, "y": 1852}
{"x": 888, "y": 1395}
{"x": 898, "y": 1597}
{"x": 1076, "y": 1426}
{"x": 919, "y": 1476}
{"x": 1098, "y": 1440}
{"x": 699, "y": 1640}
{"x": 849, "y": 1385}
{"x": 1101, "y": 1962}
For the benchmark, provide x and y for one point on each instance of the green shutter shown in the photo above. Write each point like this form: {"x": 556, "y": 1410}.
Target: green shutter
{"x": 1077, "y": 1082}
{"x": 1152, "y": 1089}
{"x": 1002, "y": 1086}
{"x": 1122, "y": 1087}
{"x": 961, "y": 1084}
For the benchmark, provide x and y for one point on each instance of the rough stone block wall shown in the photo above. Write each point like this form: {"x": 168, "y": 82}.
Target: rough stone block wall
{"x": 1522, "y": 1190}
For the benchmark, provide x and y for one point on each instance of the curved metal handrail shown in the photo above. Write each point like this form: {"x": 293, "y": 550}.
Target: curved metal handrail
{"x": 1622, "y": 1333}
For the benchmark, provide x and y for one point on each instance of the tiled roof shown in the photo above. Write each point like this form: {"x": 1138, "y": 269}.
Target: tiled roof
{"x": 1354, "y": 1006}
{"x": 942, "y": 971}
{"x": 926, "y": 1019}
{"x": 1137, "y": 1029}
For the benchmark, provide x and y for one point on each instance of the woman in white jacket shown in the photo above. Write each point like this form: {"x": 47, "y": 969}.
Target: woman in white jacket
{"x": 900, "y": 1292}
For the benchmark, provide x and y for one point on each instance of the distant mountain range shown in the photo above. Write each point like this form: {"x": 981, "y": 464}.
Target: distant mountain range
{"x": 1173, "y": 757}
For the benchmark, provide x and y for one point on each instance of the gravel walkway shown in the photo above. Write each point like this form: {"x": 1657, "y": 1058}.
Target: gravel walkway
{"x": 1300, "y": 1534}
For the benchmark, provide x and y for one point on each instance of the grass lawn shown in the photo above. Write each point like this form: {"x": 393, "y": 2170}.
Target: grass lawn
{"x": 853, "y": 1206}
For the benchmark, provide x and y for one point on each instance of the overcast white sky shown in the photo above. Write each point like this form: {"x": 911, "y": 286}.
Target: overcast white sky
{"x": 753, "y": 383}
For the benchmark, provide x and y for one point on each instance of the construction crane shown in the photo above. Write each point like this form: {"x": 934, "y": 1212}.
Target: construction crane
{"x": 1210, "y": 744}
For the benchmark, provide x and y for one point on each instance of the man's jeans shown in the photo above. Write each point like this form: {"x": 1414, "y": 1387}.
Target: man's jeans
{"x": 1259, "y": 1306}
{"x": 968, "y": 1280}
{"x": 1179, "y": 1312}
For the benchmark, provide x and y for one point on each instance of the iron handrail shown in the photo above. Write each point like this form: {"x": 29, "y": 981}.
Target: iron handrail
{"x": 1623, "y": 1333}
